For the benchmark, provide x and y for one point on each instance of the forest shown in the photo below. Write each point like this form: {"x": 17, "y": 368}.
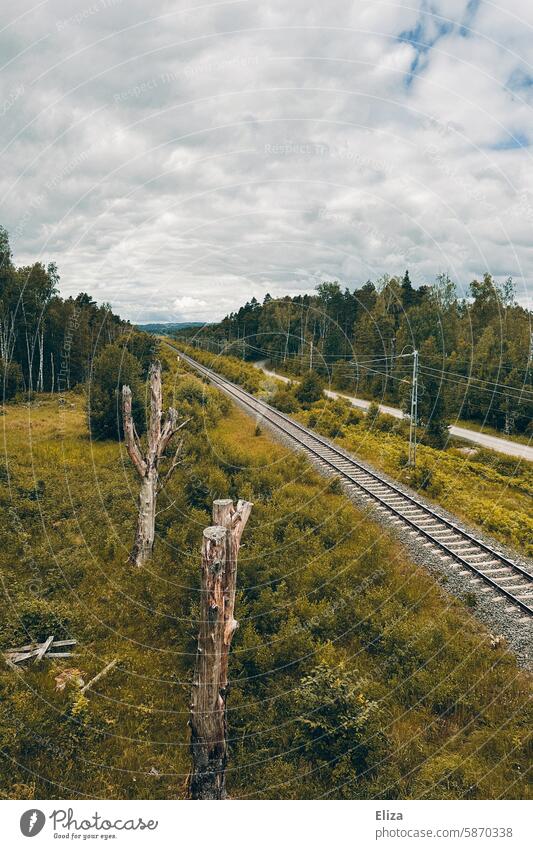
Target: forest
{"x": 48, "y": 343}
{"x": 475, "y": 353}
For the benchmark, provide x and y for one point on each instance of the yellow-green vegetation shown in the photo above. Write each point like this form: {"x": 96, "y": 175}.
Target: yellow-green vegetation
{"x": 353, "y": 673}
{"x": 486, "y": 488}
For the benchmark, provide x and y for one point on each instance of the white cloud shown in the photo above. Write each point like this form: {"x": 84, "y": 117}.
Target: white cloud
{"x": 188, "y": 304}
{"x": 177, "y": 162}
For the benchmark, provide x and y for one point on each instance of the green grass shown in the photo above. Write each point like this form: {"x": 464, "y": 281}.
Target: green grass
{"x": 353, "y": 673}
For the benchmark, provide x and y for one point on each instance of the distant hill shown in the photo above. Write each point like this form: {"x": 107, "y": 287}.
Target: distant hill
{"x": 168, "y": 328}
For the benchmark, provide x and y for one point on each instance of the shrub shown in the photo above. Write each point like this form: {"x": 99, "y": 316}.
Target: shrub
{"x": 284, "y": 401}
{"x": 419, "y": 477}
{"x": 403, "y": 459}
{"x": 385, "y": 423}
{"x": 372, "y": 415}
{"x": 337, "y": 721}
{"x": 309, "y": 390}
{"x": 191, "y": 390}
{"x": 355, "y": 416}
{"x": 335, "y": 485}
{"x": 330, "y": 425}
{"x": 112, "y": 369}
{"x": 11, "y": 377}
{"x": 436, "y": 433}
{"x": 35, "y": 619}
{"x": 340, "y": 408}
{"x": 199, "y": 403}
{"x": 204, "y": 484}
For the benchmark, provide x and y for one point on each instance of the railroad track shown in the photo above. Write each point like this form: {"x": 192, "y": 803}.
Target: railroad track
{"x": 509, "y": 583}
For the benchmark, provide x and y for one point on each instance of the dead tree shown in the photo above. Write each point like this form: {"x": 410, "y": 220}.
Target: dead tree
{"x": 147, "y": 464}
{"x": 209, "y": 748}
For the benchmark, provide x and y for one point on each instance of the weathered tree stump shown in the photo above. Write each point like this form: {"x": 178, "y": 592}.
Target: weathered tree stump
{"x": 147, "y": 464}
{"x": 209, "y": 749}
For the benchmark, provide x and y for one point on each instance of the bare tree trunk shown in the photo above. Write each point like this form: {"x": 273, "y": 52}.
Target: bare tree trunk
{"x": 145, "y": 533}
{"x": 147, "y": 464}
{"x": 234, "y": 520}
{"x": 40, "y": 377}
{"x": 208, "y": 724}
{"x": 208, "y": 737}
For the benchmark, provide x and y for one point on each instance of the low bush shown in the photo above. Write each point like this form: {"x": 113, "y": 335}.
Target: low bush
{"x": 285, "y": 401}
{"x": 112, "y": 369}
{"x": 309, "y": 390}
{"x": 11, "y": 380}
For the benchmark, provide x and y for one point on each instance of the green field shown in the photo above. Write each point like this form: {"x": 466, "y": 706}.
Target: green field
{"x": 353, "y": 673}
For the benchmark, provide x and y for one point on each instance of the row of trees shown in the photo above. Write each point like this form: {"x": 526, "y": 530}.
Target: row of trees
{"x": 475, "y": 352}
{"x": 49, "y": 343}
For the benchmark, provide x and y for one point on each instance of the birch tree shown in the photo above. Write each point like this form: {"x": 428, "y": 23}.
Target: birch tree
{"x": 147, "y": 463}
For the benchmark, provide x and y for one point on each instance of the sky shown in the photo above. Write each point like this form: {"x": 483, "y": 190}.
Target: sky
{"x": 177, "y": 158}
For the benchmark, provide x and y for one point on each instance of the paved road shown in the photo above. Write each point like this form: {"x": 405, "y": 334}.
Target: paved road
{"x": 495, "y": 443}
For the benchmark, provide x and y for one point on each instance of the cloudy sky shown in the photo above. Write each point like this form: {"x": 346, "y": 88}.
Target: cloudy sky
{"x": 176, "y": 158}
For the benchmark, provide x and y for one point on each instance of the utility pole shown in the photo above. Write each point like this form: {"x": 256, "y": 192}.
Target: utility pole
{"x": 414, "y": 412}
{"x": 311, "y": 356}
{"x": 287, "y": 335}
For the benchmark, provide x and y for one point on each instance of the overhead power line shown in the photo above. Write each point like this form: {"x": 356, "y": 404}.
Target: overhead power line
{"x": 375, "y": 366}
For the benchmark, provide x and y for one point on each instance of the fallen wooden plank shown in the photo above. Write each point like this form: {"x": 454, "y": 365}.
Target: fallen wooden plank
{"x": 44, "y": 648}
{"x": 16, "y": 658}
{"x": 29, "y": 647}
{"x": 101, "y": 674}
{"x": 38, "y": 651}
{"x": 32, "y": 646}
{"x": 52, "y": 654}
